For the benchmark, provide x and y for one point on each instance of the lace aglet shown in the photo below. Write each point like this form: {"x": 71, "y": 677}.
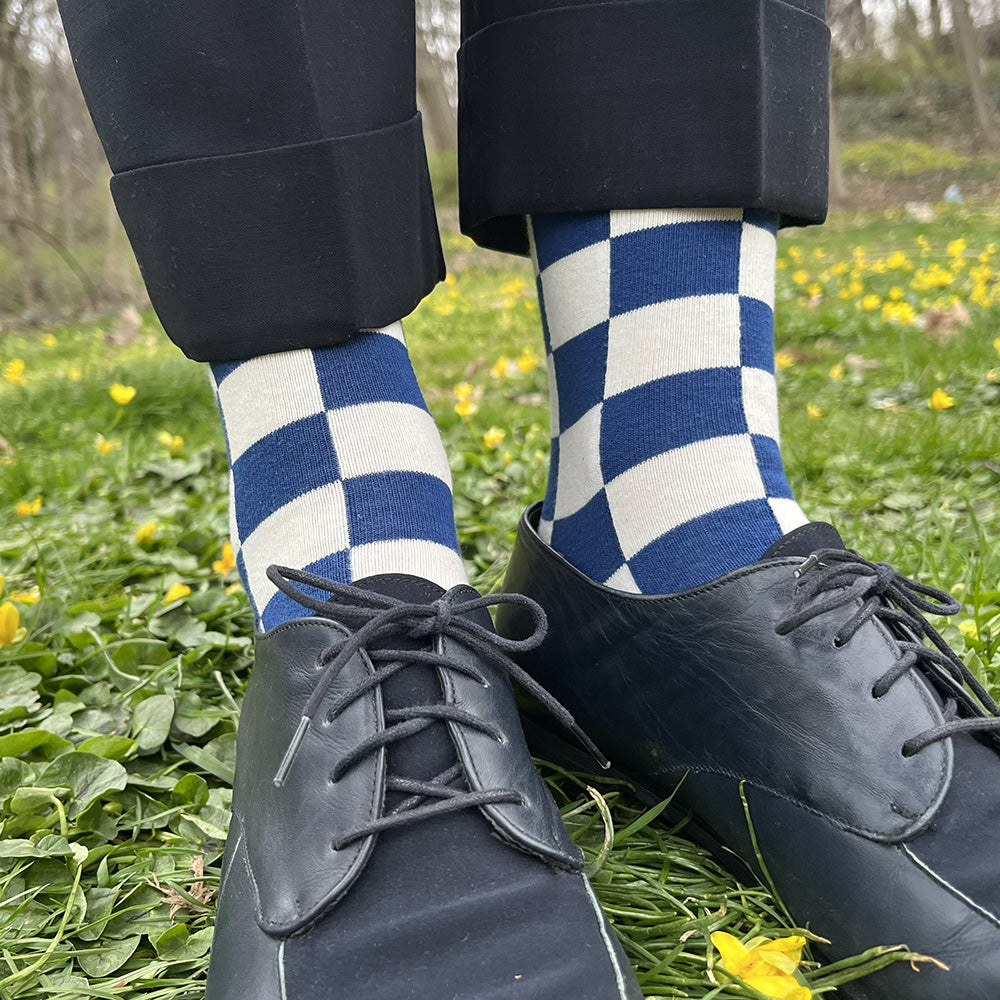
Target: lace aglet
{"x": 806, "y": 566}
{"x": 593, "y": 749}
{"x": 291, "y": 752}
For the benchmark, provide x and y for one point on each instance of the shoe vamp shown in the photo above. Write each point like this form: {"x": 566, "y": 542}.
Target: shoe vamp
{"x": 860, "y": 894}
{"x": 444, "y": 909}
{"x": 961, "y": 847}
{"x": 702, "y": 682}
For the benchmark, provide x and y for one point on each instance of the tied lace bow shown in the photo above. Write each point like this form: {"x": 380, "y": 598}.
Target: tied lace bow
{"x": 833, "y": 578}
{"x": 374, "y": 616}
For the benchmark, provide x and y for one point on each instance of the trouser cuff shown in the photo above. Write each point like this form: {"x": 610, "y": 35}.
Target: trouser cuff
{"x": 286, "y": 248}
{"x": 642, "y": 104}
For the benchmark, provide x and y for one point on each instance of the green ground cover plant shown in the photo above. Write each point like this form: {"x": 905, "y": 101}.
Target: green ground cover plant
{"x": 125, "y": 637}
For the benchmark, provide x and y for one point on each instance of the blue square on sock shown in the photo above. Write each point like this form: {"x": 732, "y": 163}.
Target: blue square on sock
{"x": 705, "y": 547}
{"x": 580, "y": 369}
{"x": 387, "y": 506}
{"x": 281, "y": 608}
{"x": 549, "y": 501}
{"x": 368, "y": 368}
{"x": 772, "y": 468}
{"x": 223, "y": 369}
{"x": 669, "y": 413}
{"x": 756, "y": 334}
{"x": 558, "y": 234}
{"x": 282, "y": 465}
{"x": 762, "y": 219}
{"x": 674, "y": 262}
{"x": 588, "y": 539}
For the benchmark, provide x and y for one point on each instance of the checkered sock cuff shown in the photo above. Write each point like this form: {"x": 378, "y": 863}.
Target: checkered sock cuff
{"x": 665, "y": 466}
{"x": 336, "y": 467}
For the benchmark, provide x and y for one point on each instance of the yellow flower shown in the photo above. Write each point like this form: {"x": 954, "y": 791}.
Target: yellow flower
{"x": 813, "y": 411}
{"x": 898, "y": 261}
{"x": 103, "y": 446}
{"x": 870, "y": 303}
{"x": 227, "y": 562}
{"x": 840, "y": 268}
{"x": 784, "y": 359}
{"x": 800, "y": 277}
{"x": 996, "y": 345}
{"x": 49, "y": 340}
{"x": 515, "y": 287}
{"x": 767, "y": 966}
{"x": 28, "y": 507}
{"x": 74, "y": 374}
{"x": 443, "y": 308}
{"x": 957, "y": 247}
{"x": 30, "y": 596}
{"x": 493, "y": 437}
{"x": 899, "y": 312}
{"x": 172, "y": 442}
{"x": 144, "y": 535}
{"x": 855, "y": 287}
{"x": 815, "y": 290}
{"x": 463, "y": 390}
{"x": 499, "y": 368}
{"x": 837, "y": 372}
{"x": 923, "y": 243}
{"x": 10, "y": 619}
{"x": 449, "y": 279}
{"x": 795, "y": 252}
{"x": 819, "y": 253}
{"x": 940, "y": 400}
{"x": 122, "y": 394}
{"x": 465, "y": 407}
{"x": 969, "y": 629}
{"x": 14, "y": 372}
{"x": 896, "y": 293}
{"x": 993, "y": 375}
{"x": 528, "y": 361}
{"x": 175, "y": 592}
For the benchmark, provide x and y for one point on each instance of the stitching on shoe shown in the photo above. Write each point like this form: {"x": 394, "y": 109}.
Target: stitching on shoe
{"x": 470, "y": 765}
{"x": 838, "y": 822}
{"x": 957, "y": 893}
{"x": 602, "y": 925}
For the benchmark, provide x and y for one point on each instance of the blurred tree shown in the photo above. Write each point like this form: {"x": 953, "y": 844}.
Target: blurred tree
{"x": 437, "y": 43}
{"x": 968, "y": 46}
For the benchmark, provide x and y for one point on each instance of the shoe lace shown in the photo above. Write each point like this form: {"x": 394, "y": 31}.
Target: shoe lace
{"x": 833, "y": 578}
{"x": 376, "y": 618}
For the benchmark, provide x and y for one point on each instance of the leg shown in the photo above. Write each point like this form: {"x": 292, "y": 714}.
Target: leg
{"x": 794, "y": 682}
{"x": 389, "y": 836}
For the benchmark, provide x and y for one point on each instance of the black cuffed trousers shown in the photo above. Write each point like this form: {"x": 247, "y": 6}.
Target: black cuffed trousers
{"x": 269, "y": 168}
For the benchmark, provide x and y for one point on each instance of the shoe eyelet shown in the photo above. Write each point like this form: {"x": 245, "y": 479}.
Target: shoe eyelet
{"x": 525, "y": 802}
{"x": 837, "y": 644}
{"x": 501, "y": 738}
{"x": 485, "y": 684}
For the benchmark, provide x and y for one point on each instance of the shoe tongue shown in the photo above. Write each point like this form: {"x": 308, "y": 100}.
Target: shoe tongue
{"x": 806, "y": 540}
{"x": 431, "y": 751}
{"x": 401, "y": 586}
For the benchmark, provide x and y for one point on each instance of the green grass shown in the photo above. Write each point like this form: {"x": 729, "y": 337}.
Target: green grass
{"x": 118, "y": 710}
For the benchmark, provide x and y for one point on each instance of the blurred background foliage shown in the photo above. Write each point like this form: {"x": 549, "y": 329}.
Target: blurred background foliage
{"x": 916, "y": 87}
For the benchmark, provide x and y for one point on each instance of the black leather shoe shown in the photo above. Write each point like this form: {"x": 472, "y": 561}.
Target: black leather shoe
{"x": 867, "y": 752}
{"x": 390, "y": 837}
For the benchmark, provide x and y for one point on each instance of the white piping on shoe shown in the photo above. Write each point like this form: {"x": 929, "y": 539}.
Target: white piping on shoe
{"x": 281, "y": 970}
{"x": 991, "y": 917}
{"x": 612, "y": 954}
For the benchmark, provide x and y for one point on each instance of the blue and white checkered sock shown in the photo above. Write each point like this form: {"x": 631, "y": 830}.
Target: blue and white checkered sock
{"x": 659, "y": 325}
{"x": 336, "y": 468}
